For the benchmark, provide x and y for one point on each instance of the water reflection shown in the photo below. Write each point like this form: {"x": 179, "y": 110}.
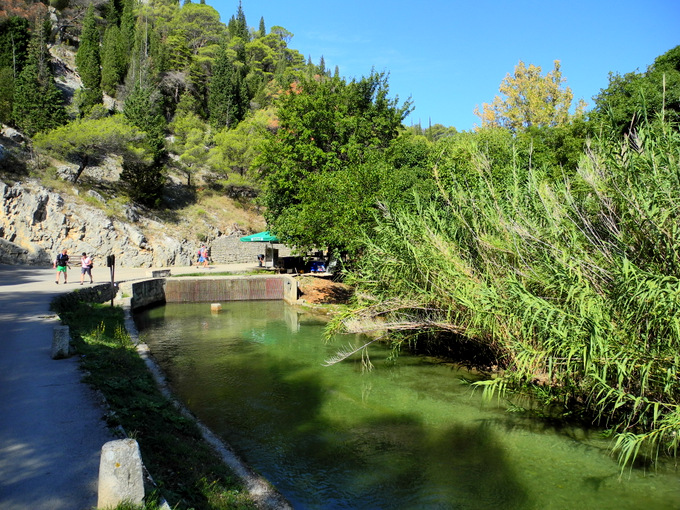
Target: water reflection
{"x": 406, "y": 435}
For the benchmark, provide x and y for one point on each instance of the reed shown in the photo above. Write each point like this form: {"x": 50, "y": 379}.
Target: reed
{"x": 573, "y": 283}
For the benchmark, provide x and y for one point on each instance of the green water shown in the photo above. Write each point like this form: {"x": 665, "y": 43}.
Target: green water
{"x": 406, "y": 435}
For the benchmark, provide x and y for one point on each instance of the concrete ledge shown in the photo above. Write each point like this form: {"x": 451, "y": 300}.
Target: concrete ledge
{"x": 158, "y": 273}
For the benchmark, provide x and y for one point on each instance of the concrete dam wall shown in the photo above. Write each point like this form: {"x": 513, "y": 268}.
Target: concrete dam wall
{"x": 213, "y": 290}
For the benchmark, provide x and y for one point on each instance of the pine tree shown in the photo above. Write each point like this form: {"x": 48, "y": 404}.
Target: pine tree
{"x": 262, "y": 30}
{"x": 221, "y": 94}
{"x": 228, "y": 97}
{"x": 114, "y": 59}
{"x": 143, "y": 111}
{"x": 88, "y": 62}
{"x": 14, "y": 40}
{"x": 38, "y": 104}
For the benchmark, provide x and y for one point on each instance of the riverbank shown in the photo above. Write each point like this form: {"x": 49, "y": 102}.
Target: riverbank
{"x": 52, "y": 425}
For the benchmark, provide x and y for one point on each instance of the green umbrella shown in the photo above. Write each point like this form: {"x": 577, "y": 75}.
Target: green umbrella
{"x": 260, "y": 237}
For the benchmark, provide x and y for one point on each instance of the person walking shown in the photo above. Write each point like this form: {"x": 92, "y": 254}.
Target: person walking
{"x": 61, "y": 264}
{"x": 203, "y": 257}
{"x": 85, "y": 267}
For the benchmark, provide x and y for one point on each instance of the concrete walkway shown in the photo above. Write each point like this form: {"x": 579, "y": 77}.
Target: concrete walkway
{"x": 51, "y": 426}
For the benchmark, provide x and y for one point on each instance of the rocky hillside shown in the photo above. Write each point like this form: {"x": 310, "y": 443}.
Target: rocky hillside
{"x": 43, "y": 211}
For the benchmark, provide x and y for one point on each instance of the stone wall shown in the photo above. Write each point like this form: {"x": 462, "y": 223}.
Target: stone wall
{"x": 230, "y": 250}
{"x": 92, "y": 294}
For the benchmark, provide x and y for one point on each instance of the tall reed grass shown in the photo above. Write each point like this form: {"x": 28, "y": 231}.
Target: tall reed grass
{"x": 575, "y": 284}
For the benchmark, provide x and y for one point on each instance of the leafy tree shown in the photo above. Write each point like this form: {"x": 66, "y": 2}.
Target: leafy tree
{"x": 530, "y": 100}
{"x": 634, "y": 97}
{"x": 88, "y": 61}
{"x": 86, "y": 142}
{"x": 328, "y": 132}
{"x": 38, "y": 105}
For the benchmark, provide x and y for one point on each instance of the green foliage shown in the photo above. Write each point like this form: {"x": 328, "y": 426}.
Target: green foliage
{"x": 142, "y": 110}
{"x": 88, "y": 61}
{"x": 574, "y": 284}
{"x": 6, "y": 94}
{"x": 191, "y": 136}
{"x": 144, "y": 181}
{"x": 235, "y": 150}
{"x": 635, "y": 98}
{"x": 227, "y": 97}
{"x": 86, "y": 141}
{"x": 114, "y": 59}
{"x": 330, "y": 133}
{"x": 37, "y": 103}
{"x": 14, "y": 41}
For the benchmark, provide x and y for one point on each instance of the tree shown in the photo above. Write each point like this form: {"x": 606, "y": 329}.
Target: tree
{"x": 88, "y": 61}
{"x": 331, "y": 134}
{"x": 191, "y": 137}
{"x": 236, "y": 149}
{"x": 114, "y": 59}
{"x": 14, "y": 41}
{"x": 227, "y": 98}
{"x": 142, "y": 110}
{"x": 631, "y": 99}
{"x": 38, "y": 104}
{"x": 86, "y": 141}
{"x": 530, "y": 100}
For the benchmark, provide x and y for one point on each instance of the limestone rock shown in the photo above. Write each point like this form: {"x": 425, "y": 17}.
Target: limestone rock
{"x": 120, "y": 474}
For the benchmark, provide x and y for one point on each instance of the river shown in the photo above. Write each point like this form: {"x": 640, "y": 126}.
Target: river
{"x": 407, "y": 434}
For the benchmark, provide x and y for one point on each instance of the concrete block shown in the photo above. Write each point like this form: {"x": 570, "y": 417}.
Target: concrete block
{"x": 158, "y": 273}
{"x": 61, "y": 340}
{"x": 120, "y": 474}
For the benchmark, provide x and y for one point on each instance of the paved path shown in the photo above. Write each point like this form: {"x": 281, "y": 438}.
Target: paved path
{"x": 51, "y": 427}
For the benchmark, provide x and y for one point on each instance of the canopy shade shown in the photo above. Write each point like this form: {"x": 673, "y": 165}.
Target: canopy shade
{"x": 260, "y": 237}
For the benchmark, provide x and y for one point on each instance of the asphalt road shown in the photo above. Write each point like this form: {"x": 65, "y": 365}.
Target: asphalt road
{"x": 51, "y": 427}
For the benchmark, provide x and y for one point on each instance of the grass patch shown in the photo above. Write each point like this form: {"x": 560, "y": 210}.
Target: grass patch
{"x": 188, "y": 473}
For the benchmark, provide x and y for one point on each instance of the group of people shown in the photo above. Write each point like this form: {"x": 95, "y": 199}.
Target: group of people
{"x": 203, "y": 257}
{"x": 62, "y": 265}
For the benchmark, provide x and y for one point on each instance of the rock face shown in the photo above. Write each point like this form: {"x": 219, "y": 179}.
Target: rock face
{"x": 36, "y": 224}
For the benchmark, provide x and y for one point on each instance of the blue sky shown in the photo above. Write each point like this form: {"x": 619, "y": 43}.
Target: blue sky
{"x": 450, "y": 56}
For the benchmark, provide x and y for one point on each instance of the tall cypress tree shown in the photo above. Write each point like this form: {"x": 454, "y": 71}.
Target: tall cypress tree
{"x": 88, "y": 62}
